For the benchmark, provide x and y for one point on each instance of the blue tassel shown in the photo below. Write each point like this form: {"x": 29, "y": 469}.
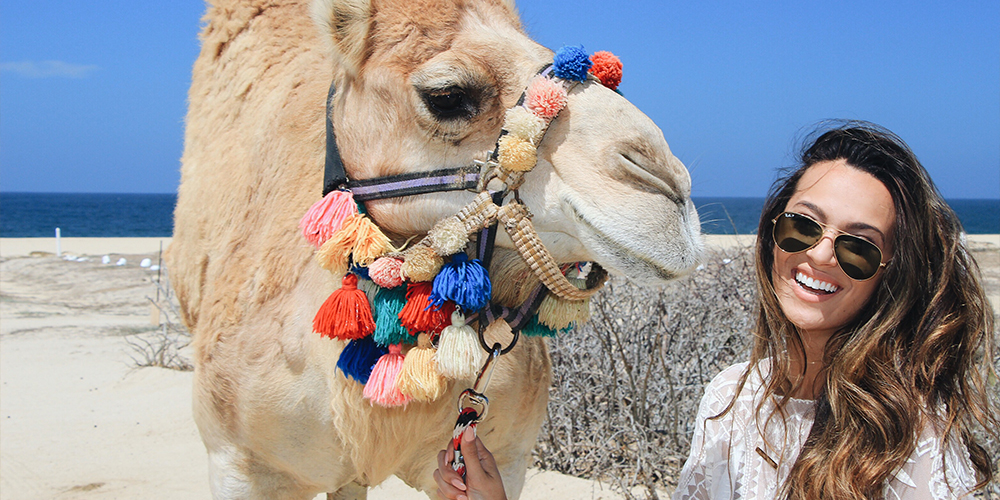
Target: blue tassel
{"x": 571, "y": 63}
{"x": 536, "y": 329}
{"x": 361, "y": 272}
{"x": 464, "y": 282}
{"x": 359, "y": 357}
{"x": 389, "y": 329}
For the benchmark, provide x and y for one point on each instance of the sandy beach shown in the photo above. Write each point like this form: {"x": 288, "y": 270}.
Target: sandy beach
{"x": 79, "y": 420}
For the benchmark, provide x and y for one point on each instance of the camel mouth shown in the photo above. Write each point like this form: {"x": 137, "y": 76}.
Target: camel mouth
{"x": 669, "y": 259}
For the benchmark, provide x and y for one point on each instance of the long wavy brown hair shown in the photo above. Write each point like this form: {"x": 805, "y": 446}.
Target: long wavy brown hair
{"x": 918, "y": 353}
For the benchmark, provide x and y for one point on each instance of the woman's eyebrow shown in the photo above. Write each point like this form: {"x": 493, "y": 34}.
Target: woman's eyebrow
{"x": 854, "y": 226}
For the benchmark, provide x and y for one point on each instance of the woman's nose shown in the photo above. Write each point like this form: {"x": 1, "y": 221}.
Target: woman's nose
{"x": 823, "y": 252}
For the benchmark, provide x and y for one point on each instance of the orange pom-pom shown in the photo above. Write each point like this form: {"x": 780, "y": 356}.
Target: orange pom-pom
{"x": 421, "y": 263}
{"x": 607, "y": 68}
{"x": 345, "y": 314}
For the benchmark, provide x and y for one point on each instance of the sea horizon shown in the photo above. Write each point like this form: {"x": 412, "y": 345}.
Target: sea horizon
{"x": 95, "y": 215}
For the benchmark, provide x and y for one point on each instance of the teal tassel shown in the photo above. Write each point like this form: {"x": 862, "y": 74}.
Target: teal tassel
{"x": 464, "y": 282}
{"x": 388, "y": 329}
{"x": 536, "y": 329}
{"x": 359, "y": 357}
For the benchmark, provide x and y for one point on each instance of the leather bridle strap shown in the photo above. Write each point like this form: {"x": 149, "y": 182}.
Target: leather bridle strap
{"x": 409, "y": 184}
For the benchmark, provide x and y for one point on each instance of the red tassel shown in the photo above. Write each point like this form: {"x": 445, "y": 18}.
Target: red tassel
{"x": 381, "y": 388}
{"x": 346, "y": 314}
{"x": 417, "y": 317}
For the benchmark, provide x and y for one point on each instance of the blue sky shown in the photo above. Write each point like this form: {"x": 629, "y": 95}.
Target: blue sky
{"x": 92, "y": 94}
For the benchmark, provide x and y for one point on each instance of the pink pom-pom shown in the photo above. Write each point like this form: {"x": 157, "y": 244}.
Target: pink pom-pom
{"x": 381, "y": 388}
{"x": 385, "y": 272}
{"x": 545, "y": 97}
{"x": 326, "y": 216}
{"x": 607, "y": 68}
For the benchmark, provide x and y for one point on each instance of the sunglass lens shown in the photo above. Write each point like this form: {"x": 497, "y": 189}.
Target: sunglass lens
{"x": 794, "y": 233}
{"x": 858, "y": 258}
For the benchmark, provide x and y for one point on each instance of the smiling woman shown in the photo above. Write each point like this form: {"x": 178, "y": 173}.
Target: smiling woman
{"x": 866, "y": 379}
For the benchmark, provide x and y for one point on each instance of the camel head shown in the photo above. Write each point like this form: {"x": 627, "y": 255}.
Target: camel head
{"x": 424, "y": 85}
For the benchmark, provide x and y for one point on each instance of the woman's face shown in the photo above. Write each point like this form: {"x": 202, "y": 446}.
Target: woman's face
{"x": 813, "y": 291}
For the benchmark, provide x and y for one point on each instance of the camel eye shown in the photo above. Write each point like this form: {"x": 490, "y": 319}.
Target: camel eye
{"x": 450, "y": 103}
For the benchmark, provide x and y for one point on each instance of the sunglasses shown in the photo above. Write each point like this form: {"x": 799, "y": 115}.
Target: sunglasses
{"x": 859, "y": 258}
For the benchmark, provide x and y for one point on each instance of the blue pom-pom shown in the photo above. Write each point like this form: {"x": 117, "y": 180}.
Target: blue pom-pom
{"x": 571, "y": 63}
{"x": 464, "y": 282}
{"x": 388, "y": 328}
{"x": 536, "y": 329}
{"x": 359, "y": 357}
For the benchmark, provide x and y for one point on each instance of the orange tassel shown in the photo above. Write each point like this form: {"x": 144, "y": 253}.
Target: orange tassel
{"x": 417, "y": 315}
{"x": 346, "y": 314}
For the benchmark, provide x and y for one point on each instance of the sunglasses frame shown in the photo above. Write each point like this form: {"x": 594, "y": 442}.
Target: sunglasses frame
{"x": 824, "y": 228}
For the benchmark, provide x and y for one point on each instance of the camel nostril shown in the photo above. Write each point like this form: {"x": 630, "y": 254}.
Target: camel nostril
{"x": 659, "y": 176}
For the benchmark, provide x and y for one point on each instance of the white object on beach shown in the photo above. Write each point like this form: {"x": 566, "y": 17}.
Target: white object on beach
{"x": 154, "y": 267}
{"x": 82, "y": 259}
{"x": 121, "y": 262}
{"x": 69, "y": 256}
{"x": 58, "y": 244}
{"x": 145, "y": 263}
{"x": 106, "y": 259}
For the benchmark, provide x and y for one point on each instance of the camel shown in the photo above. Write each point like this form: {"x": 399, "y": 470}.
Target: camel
{"x": 420, "y": 85}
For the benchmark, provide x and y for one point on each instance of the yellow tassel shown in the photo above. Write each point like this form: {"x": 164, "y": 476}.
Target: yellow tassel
{"x": 419, "y": 377}
{"x": 370, "y": 244}
{"x": 333, "y": 255}
{"x": 421, "y": 263}
{"x": 557, "y": 313}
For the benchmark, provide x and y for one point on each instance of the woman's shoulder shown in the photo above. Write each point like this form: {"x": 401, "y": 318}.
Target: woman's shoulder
{"x": 723, "y": 387}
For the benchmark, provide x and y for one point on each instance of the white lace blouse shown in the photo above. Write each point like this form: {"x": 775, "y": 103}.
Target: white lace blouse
{"x": 724, "y": 462}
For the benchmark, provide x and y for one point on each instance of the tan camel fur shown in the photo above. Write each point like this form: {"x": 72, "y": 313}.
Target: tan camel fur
{"x": 277, "y": 417}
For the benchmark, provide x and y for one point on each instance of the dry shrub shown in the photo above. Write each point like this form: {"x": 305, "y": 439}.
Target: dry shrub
{"x": 162, "y": 347}
{"x": 627, "y": 385}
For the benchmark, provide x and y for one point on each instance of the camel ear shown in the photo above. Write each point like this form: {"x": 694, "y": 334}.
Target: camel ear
{"x": 344, "y": 24}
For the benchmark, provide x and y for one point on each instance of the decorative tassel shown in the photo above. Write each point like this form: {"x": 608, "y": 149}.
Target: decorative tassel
{"x": 419, "y": 315}
{"x": 333, "y": 255}
{"x": 464, "y": 282}
{"x": 326, "y": 216}
{"x": 571, "y": 63}
{"x": 520, "y": 122}
{"x": 346, "y": 314}
{"x": 421, "y": 263}
{"x": 607, "y": 68}
{"x": 544, "y": 97}
{"x": 419, "y": 377}
{"x": 557, "y": 313}
{"x": 448, "y": 236}
{"x": 370, "y": 243}
{"x": 516, "y": 154}
{"x": 459, "y": 354}
{"x": 370, "y": 289}
{"x": 381, "y": 387}
{"x": 358, "y": 358}
{"x": 388, "y": 330}
{"x": 385, "y": 272}
{"x": 536, "y": 329}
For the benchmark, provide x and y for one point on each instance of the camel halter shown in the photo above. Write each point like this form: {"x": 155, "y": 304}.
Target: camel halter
{"x": 428, "y": 293}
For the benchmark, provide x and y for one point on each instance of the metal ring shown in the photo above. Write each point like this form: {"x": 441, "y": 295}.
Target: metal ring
{"x": 489, "y": 348}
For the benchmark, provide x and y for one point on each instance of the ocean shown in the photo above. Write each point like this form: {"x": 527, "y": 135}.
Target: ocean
{"x": 28, "y": 215}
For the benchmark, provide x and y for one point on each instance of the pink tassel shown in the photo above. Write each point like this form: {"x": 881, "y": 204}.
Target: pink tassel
{"x": 326, "y": 216}
{"x": 385, "y": 272}
{"x": 381, "y": 388}
{"x": 545, "y": 97}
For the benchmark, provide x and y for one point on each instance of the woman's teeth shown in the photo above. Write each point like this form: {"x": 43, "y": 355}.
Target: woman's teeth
{"x": 814, "y": 284}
